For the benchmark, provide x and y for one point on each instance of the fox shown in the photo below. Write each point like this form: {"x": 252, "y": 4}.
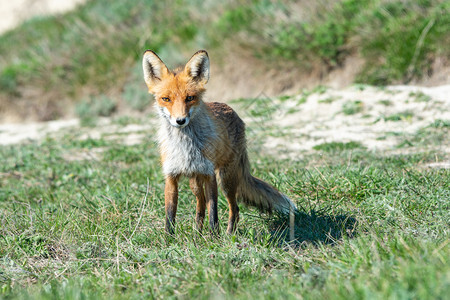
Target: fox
{"x": 205, "y": 142}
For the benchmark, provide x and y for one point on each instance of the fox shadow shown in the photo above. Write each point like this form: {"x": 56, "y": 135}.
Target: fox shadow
{"x": 314, "y": 227}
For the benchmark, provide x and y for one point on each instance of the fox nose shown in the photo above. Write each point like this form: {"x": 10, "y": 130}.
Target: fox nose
{"x": 181, "y": 121}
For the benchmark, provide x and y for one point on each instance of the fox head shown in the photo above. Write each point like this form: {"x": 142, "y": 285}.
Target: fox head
{"x": 177, "y": 94}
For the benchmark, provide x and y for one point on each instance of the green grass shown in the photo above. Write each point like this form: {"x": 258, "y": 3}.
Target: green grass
{"x": 89, "y": 109}
{"x": 419, "y": 25}
{"x": 420, "y": 97}
{"x": 328, "y": 100}
{"x": 401, "y": 116}
{"x": 333, "y": 30}
{"x": 352, "y": 107}
{"x": 338, "y": 146}
{"x": 435, "y": 134}
{"x": 370, "y": 225}
{"x": 385, "y": 102}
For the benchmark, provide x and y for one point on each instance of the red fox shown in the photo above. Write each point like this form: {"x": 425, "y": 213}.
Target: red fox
{"x": 203, "y": 141}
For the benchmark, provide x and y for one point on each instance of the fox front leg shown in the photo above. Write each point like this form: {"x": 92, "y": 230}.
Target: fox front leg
{"x": 171, "y": 201}
{"x": 211, "y": 199}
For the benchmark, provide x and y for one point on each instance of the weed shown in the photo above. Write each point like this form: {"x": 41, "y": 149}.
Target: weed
{"x": 302, "y": 99}
{"x": 360, "y": 87}
{"x": 440, "y": 124}
{"x": 417, "y": 28}
{"x": 434, "y": 134}
{"x": 284, "y": 98}
{"x": 420, "y": 97}
{"x": 338, "y": 146}
{"x": 261, "y": 108}
{"x": 89, "y": 109}
{"x": 292, "y": 110}
{"x": 84, "y": 112}
{"x": 385, "y": 102}
{"x": 136, "y": 97}
{"x": 135, "y": 94}
{"x": 402, "y": 116}
{"x": 320, "y": 89}
{"x": 126, "y": 120}
{"x": 327, "y": 100}
{"x": 352, "y": 107}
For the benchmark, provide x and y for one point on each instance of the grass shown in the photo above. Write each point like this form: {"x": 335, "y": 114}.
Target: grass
{"x": 420, "y": 97}
{"x": 338, "y": 146}
{"x": 333, "y": 30}
{"x": 401, "y": 116}
{"x": 370, "y": 225}
{"x": 327, "y": 100}
{"x": 417, "y": 24}
{"x": 434, "y": 134}
{"x": 89, "y": 109}
{"x": 352, "y": 107}
{"x": 385, "y": 102}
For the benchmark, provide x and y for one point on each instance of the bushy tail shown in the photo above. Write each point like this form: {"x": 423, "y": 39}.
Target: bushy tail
{"x": 255, "y": 192}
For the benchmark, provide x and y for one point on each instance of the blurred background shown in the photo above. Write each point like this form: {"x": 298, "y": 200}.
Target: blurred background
{"x": 68, "y": 58}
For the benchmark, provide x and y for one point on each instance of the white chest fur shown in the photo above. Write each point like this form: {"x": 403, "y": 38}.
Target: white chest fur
{"x": 184, "y": 148}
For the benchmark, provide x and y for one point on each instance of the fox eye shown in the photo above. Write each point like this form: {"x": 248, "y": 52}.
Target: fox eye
{"x": 190, "y": 98}
{"x": 165, "y": 99}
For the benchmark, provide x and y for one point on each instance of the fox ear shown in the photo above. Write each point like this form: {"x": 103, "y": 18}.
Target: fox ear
{"x": 198, "y": 66}
{"x": 154, "y": 69}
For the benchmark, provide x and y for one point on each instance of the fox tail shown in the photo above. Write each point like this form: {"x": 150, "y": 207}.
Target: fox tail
{"x": 255, "y": 192}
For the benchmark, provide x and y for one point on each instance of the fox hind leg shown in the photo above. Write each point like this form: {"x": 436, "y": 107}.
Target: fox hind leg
{"x": 196, "y": 184}
{"x": 229, "y": 184}
{"x": 211, "y": 200}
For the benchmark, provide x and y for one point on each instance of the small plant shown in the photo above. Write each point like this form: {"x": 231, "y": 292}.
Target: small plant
{"x": 385, "y": 102}
{"x": 302, "y": 99}
{"x": 103, "y": 106}
{"x": 136, "y": 97}
{"x": 261, "y": 108}
{"x": 403, "y": 116}
{"x": 440, "y": 124}
{"x": 84, "y": 112}
{"x": 352, "y": 107}
{"x": 8, "y": 80}
{"x": 304, "y": 96}
{"x": 89, "y": 109}
{"x": 327, "y": 100}
{"x": 126, "y": 120}
{"x": 338, "y": 146}
{"x": 292, "y": 110}
{"x": 360, "y": 87}
{"x": 420, "y": 97}
{"x": 320, "y": 89}
{"x": 284, "y": 98}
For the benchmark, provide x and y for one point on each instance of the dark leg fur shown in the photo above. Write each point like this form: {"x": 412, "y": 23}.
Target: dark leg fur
{"x": 211, "y": 199}
{"x": 171, "y": 201}
{"x": 229, "y": 187}
{"x": 196, "y": 184}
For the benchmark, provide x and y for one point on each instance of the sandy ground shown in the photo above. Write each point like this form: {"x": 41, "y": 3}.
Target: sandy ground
{"x": 293, "y": 127}
{"x": 322, "y": 120}
{"x": 14, "y": 12}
